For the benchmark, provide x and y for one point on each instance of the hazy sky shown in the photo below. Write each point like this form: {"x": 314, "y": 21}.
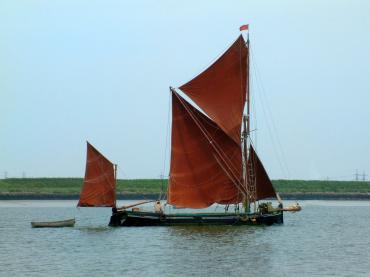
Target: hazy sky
{"x": 72, "y": 71}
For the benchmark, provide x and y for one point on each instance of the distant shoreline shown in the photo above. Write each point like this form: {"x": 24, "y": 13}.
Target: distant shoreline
{"x": 131, "y": 189}
{"x": 139, "y": 196}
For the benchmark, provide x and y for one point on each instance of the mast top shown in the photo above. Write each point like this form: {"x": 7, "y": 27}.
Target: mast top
{"x": 245, "y": 28}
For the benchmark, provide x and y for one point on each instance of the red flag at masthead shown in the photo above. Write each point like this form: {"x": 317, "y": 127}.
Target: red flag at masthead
{"x": 244, "y": 27}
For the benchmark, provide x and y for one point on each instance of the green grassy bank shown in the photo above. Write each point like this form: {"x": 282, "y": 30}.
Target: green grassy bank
{"x": 73, "y": 185}
{"x": 144, "y": 186}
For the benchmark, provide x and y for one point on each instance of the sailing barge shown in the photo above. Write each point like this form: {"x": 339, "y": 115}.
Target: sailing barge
{"x": 212, "y": 156}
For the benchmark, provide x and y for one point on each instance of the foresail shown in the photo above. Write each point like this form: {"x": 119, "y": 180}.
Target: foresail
{"x": 99, "y": 184}
{"x": 258, "y": 174}
{"x": 206, "y": 165}
{"x": 220, "y": 90}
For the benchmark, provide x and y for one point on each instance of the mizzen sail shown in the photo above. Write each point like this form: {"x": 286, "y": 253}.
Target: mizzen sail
{"x": 220, "y": 90}
{"x": 99, "y": 184}
{"x": 206, "y": 164}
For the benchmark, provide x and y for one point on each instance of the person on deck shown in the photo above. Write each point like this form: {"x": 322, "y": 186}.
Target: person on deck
{"x": 158, "y": 207}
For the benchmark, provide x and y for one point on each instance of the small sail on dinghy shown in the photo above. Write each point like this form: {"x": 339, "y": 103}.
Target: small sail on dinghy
{"x": 212, "y": 155}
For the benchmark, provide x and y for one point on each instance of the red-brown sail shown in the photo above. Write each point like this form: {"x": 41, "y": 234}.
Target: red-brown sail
{"x": 220, "y": 90}
{"x": 258, "y": 174}
{"x": 99, "y": 185}
{"x": 206, "y": 165}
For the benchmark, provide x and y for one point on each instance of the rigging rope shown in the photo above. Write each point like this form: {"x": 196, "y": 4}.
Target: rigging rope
{"x": 229, "y": 166}
{"x": 163, "y": 195}
{"x": 271, "y": 126}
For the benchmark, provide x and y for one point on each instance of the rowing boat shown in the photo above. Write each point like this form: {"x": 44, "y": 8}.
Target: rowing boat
{"x": 54, "y": 224}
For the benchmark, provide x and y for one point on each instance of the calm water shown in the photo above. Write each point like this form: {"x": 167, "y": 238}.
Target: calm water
{"x": 328, "y": 238}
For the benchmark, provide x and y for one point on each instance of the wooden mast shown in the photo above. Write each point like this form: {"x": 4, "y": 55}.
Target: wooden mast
{"x": 245, "y": 135}
{"x": 245, "y": 165}
{"x": 249, "y": 174}
{"x": 247, "y": 119}
{"x": 248, "y": 93}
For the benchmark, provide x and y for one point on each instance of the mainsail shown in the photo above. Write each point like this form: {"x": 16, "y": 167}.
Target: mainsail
{"x": 99, "y": 184}
{"x": 206, "y": 165}
{"x": 220, "y": 90}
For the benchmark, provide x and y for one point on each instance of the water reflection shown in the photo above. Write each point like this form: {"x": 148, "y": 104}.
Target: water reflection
{"x": 94, "y": 230}
{"x": 211, "y": 231}
{"x": 215, "y": 250}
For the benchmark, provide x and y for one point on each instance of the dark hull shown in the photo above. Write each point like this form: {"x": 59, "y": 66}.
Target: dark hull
{"x": 131, "y": 218}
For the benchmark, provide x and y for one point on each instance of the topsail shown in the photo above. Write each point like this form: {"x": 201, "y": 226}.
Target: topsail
{"x": 220, "y": 90}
